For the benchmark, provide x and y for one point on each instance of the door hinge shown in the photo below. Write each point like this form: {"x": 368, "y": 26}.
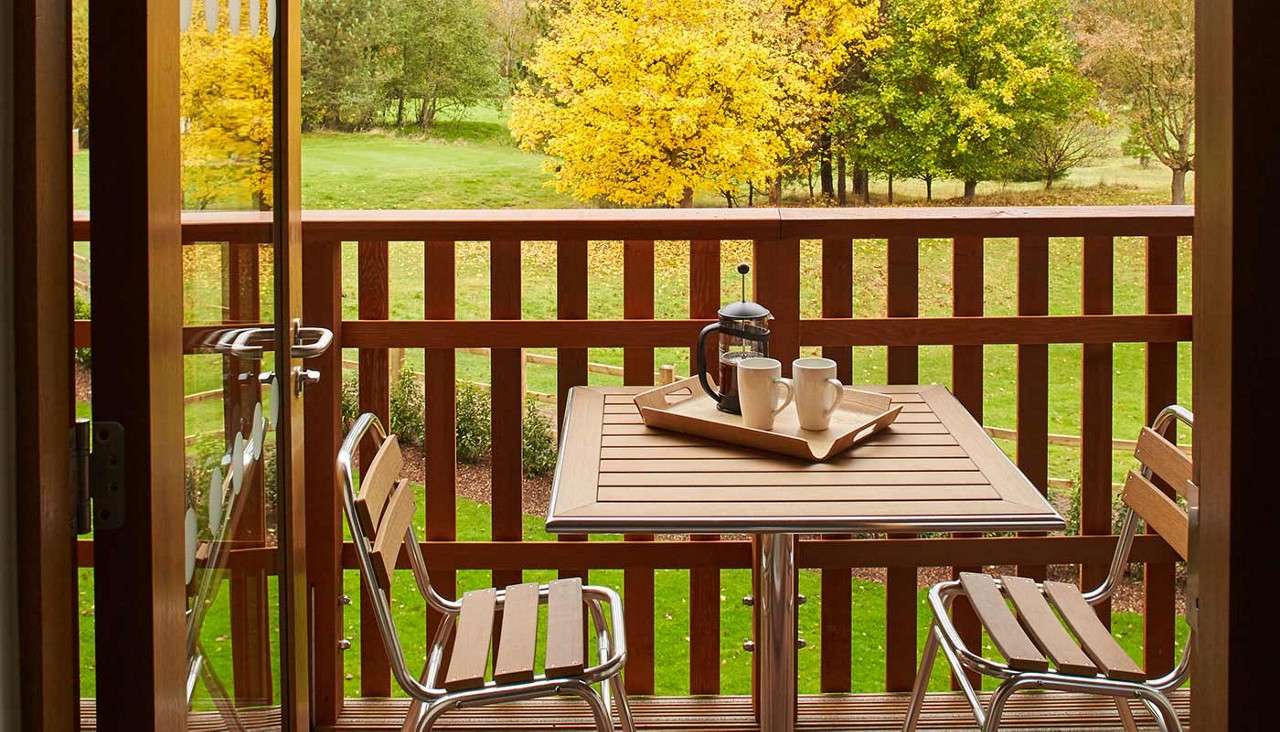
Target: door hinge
{"x": 97, "y": 460}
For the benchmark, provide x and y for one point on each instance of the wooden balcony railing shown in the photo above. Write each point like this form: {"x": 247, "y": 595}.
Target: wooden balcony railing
{"x": 776, "y": 235}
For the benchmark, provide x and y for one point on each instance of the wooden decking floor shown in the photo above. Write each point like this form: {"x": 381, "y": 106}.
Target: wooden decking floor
{"x": 861, "y": 713}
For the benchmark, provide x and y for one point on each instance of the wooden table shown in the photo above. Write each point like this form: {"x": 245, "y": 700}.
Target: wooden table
{"x": 934, "y": 469}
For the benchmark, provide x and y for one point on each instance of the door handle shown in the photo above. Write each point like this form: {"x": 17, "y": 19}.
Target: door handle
{"x": 311, "y": 341}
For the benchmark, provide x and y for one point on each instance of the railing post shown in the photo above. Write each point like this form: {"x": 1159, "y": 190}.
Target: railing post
{"x": 441, "y": 423}
{"x": 375, "y": 392}
{"x": 1033, "y": 374}
{"x": 507, "y": 399}
{"x": 837, "y": 583}
{"x": 968, "y": 299}
{"x": 571, "y": 363}
{"x": 1161, "y": 391}
{"x": 322, "y": 306}
{"x": 1095, "y": 409}
{"x": 903, "y": 367}
{"x": 704, "y": 582}
{"x": 250, "y": 611}
{"x": 637, "y": 370}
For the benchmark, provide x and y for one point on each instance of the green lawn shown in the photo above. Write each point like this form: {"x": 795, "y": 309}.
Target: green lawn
{"x": 671, "y": 622}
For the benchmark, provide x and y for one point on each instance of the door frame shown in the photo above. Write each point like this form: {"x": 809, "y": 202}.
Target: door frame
{"x": 48, "y": 614}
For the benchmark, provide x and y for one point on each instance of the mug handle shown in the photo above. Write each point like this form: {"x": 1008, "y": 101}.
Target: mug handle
{"x": 791, "y": 393}
{"x": 838, "y": 393}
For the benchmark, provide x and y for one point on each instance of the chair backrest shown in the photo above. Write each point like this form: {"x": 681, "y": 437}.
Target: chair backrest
{"x": 1164, "y": 462}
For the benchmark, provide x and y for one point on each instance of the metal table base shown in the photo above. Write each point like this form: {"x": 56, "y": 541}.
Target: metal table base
{"x": 775, "y": 642}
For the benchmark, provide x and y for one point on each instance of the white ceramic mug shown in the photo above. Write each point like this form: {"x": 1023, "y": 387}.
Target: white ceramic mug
{"x": 817, "y": 391}
{"x": 759, "y": 385}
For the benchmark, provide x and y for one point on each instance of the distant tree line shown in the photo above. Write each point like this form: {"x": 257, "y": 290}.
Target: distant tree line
{"x": 381, "y": 63}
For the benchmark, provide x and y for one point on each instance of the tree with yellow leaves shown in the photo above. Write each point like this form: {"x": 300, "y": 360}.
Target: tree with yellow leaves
{"x": 643, "y": 102}
{"x": 226, "y": 108}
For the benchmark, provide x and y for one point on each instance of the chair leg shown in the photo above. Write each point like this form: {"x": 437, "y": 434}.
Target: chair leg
{"x": 998, "y": 700}
{"x": 604, "y": 723}
{"x": 621, "y": 703}
{"x": 922, "y": 680}
{"x": 432, "y": 713}
{"x": 1162, "y": 709}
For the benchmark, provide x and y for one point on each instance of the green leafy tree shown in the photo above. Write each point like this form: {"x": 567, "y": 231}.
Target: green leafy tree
{"x": 80, "y": 68}
{"x": 346, "y": 61}
{"x": 1142, "y": 52}
{"x": 442, "y": 58}
{"x": 956, "y": 86}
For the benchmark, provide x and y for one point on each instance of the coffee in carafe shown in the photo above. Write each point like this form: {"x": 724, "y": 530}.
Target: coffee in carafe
{"x": 743, "y": 332}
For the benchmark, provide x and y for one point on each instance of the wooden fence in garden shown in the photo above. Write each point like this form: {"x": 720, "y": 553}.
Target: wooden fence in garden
{"x": 776, "y": 235}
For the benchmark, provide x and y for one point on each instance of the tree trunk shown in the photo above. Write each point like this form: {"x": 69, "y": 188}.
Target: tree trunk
{"x": 1179, "y": 187}
{"x": 824, "y": 166}
{"x": 1048, "y": 182}
{"x": 928, "y": 188}
{"x": 775, "y": 191}
{"x": 970, "y": 190}
{"x": 686, "y": 200}
{"x": 841, "y": 193}
{"x": 751, "y": 195}
{"x": 891, "y": 189}
{"x": 399, "y": 112}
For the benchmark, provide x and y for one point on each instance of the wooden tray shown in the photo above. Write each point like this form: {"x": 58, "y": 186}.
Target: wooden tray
{"x": 682, "y": 406}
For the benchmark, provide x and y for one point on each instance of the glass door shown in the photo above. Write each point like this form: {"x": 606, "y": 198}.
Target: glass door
{"x": 200, "y": 546}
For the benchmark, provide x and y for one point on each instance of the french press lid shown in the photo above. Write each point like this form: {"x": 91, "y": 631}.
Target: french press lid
{"x": 744, "y": 309}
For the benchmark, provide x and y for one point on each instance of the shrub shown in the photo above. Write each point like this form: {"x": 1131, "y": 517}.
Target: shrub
{"x": 538, "y": 445}
{"x": 474, "y": 423}
{"x": 83, "y": 356}
{"x": 407, "y": 408}
{"x": 350, "y": 399}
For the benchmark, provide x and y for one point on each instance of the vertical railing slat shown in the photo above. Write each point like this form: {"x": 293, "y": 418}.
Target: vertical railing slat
{"x": 637, "y": 370}
{"x": 1033, "y": 373}
{"x": 506, "y": 394}
{"x": 373, "y": 304}
{"x": 440, "y": 438}
{"x": 704, "y": 582}
{"x": 322, "y": 306}
{"x": 1161, "y": 391}
{"x": 250, "y": 606}
{"x": 1095, "y": 409}
{"x": 837, "y": 583}
{"x": 571, "y": 363}
{"x": 903, "y": 300}
{"x": 775, "y": 277}
{"x": 967, "y": 299}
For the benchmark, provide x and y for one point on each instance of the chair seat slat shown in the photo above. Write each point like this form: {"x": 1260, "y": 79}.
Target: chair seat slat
{"x": 391, "y": 530}
{"x": 1094, "y": 637}
{"x": 470, "y": 657}
{"x": 565, "y": 646}
{"x": 518, "y": 642}
{"x": 1003, "y": 628}
{"x": 376, "y": 484}
{"x": 1165, "y": 459}
{"x": 1043, "y": 625}
{"x": 1159, "y": 511}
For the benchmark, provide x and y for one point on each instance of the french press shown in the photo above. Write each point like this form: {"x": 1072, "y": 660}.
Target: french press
{"x": 744, "y": 333}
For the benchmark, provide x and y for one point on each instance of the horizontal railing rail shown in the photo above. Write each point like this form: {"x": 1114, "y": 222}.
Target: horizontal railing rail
{"x": 776, "y": 236}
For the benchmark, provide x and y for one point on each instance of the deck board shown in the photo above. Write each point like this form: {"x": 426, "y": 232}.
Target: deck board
{"x": 856, "y": 713}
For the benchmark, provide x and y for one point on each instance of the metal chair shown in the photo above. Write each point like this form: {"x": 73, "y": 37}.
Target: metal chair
{"x": 380, "y": 516}
{"x": 1085, "y": 658}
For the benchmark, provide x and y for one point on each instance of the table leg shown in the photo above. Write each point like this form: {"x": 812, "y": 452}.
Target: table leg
{"x": 775, "y": 647}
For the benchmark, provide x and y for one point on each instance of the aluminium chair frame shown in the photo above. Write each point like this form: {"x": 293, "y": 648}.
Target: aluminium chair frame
{"x": 942, "y": 633}
{"x": 436, "y": 700}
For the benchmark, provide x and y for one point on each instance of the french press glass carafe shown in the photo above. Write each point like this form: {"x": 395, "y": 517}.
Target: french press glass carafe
{"x": 743, "y": 330}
